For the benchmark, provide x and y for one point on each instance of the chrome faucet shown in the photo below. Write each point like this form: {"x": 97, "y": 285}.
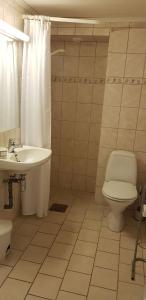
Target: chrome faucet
{"x": 12, "y": 145}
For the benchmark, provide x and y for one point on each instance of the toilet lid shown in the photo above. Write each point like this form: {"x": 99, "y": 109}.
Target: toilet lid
{"x": 119, "y": 190}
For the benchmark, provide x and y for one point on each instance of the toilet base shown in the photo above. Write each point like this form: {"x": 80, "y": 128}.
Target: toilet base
{"x": 115, "y": 222}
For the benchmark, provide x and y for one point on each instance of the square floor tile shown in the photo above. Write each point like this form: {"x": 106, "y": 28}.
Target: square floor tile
{"x": 14, "y": 290}
{"x": 127, "y": 242}
{"x": 128, "y": 291}
{"x": 43, "y": 239}
{"x": 71, "y": 226}
{"x": 69, "y": 296}
{"x": 33, "y": 220}
{"x": 4, "y": 271}
{"x": 54, "y": 217}
{"x": 108, "y": 234}
{"x": 66, "y": 237}
{"x": 25, "y": 270}
{"x": 85, "y": 248}
{"x": 109, "y": 246}
{"x": 35, "y": 254}
{"x": 126, "y": 255}
{"x": 96, "y": 293}
{"x": 49, "y": 228}
{"x": 104, "y": 278}
{"x": 107, "y": 260}
{"x": 27, "y": 230}
{"x": 80, "y": 263}
{"x": 54, "y": 266}
{"x": 45, "y": 286}
{"x": 76, "y": 283}
{"x": 61, "y": 251}
{"x": 75, "y": 217}
{"x": 95, "y": 214}
{"x": 91, "y": 224}
{"x": 125, "y": 275}
{"x": 88, "y": 235}
{"x": 30, "y": 297}
{"x": 20, "y": 242}
{"x": 12, "y": 258}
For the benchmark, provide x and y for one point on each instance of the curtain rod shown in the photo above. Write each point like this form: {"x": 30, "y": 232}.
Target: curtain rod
{"x": 64, "y": 20}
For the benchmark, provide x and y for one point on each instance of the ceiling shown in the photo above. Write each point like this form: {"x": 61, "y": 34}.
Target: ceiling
{"x": 90, "y": 8}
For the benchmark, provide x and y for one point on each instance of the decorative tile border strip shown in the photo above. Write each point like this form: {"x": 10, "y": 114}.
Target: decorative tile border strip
{"x": 110, "y": 80}
{"x": 125, "y": 80}
{"x": 83, "y": 80}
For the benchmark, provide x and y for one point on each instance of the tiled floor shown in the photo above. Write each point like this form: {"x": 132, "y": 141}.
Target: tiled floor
{"x": 72, "y": 256}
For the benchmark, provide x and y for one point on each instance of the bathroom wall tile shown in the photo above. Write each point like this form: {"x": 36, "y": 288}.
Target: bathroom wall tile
{"x": 140, "y": 141}
{"x": 78, "y": 182}
{"x": 103, "y": 156}
{"x": 82, "y": 131}
{"x": 141, "y": 125}
{"x": 84, "y": 93}
{"x": 98, "y": 93}
{"x": 72, "y": 48}
{"x": 90, "y": 184}
{"x": 56, "y": 91}
{"x": 65, "y": 180}
{"x": 143, "y": 97}
{"x": 79, "y": 166}
{"x": 128, "y": 118}
{"x": 68, "y": 111}
{"x": 100, "y": 67}
{"x": 69, "y": 92}
{"x": 110, "y": 116}
{"x": 83, "y": 112}
{"x": 94, "y": 133}
{"x": 56, "y": 129}
{"x": 93, "y": 150}
{"x": 102, "y": 49}
{"x": 113, "y": 94}
{"x": 116, "y": 64}
{"x": 131, "y": 95}
{"x": 66, "y": 31}
{"x": 84, "y": 31}
{"x": 91, "y": 167}
{"x": 96, "y": 113}
{"x": 57, "y": 45}
{"x": 66, "y": 164}
{"x": 70, "y": 66}
{"x": 56, "y": 110}
{"x": 66, "y": 147}
{"x": 87, "y": 49}
{"x": 100, "y": 177}
{"x": 86, "y": 66}
{"x": 67, "y": 130}
{"x": 55, "y": 161}
{"x": 126, "y": 139}
{"x": 134, "y": 65}
{"x": 80, "y": 149}
{"x": 118, "y": 40}
{"x": 57, "y": 65}
{"x": 137, "y": 41}
{"x": 108, "y": 137}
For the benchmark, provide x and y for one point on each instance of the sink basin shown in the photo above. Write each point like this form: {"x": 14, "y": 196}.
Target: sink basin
{"x": 25, "y": 158}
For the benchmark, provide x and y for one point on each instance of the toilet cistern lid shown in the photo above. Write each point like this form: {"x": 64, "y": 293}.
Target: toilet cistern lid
{"x": 119, "y": 190}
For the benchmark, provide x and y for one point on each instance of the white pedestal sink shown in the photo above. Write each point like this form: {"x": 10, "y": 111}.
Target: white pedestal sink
{"x": 25, "y": 158}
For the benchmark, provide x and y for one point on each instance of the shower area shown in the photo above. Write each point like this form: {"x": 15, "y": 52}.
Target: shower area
{"x": 78, "y": 81}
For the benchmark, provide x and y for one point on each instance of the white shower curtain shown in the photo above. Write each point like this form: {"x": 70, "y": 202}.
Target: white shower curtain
{"x": 9, "y": 96}
{"x": 36, "y": 111}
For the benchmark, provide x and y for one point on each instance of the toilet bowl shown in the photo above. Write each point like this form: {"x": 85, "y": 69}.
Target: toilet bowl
{"x": 5, "y": 237}
{"x": 119, "y": 188}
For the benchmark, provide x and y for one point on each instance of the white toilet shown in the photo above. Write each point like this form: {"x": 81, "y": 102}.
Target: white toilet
{"x": 119, "y": 188}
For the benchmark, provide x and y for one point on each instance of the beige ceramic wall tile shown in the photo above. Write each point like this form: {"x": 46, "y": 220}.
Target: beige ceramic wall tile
{"x": 98, "y": 93}
{"x": 116, "y": 64}
{"x": 141, "y": 125}
{"x": 110, "y": 116}
{"x": 118, "y": 40}
{"x": 72, "y": 49}
{"x": 100, "y": 67}
{"x": 128, "y": 118}
{"x": 87, "y": 49}
{"x": 140, "y": 141}
{"x": 134, "y": 65}
{"x": 70, "y": 66}
{"x": 84, "y": 93}
{"x": 143, "y": 97}
{"x": 86, "y": 66}
{"x": 125, "y": 139}
{"x": 108, "y": 137}
{"x": 131, "y": 95}
{"x": 113, "y": 94}
{"x": 69, "y": 92}
{"x": 137, "y": 41}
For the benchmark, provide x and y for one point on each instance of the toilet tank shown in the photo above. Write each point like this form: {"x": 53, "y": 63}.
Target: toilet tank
{"x": 121, "y": 166}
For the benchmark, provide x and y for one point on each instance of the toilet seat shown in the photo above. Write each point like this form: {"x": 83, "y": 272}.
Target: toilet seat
{"x": 119, "y": 190}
